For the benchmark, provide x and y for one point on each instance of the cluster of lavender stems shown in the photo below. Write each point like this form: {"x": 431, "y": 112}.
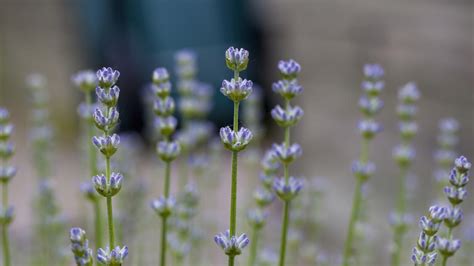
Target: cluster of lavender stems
{"x": 430, "y": 242}
{"x": 235, "y": 140}
{"x": 167, "y": 149}
{"x": 7, "y": 172}
{"x": 404, "y": 155}
{"x": 86, "y": 82}
{"x": 287, "y": 187}
{"x": 370, "y": 104}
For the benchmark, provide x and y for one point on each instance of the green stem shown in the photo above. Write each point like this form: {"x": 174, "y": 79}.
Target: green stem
{"x": 109, "y": 206}
{"x": 356, "y": 206}
{"x": 233, "y": 198}
{"x": 163, "y": 241}
{"x": 231, "y": 260}
{"x": 444, "y": 261}
{"x": 5, "y": 241}
{"x": 284, "y": 233}
{"x": 167, "y": 179}
{"x": 399, "y": 229}
{"x": 6, "y": 246}
{"x": 356, "y": 203}
{"x": 253, "y": 246}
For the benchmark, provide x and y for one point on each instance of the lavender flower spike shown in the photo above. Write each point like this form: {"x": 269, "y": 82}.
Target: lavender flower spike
{"x": 107, "y": 77}
{"x": 231, "y": 245}
{"x": 236, "y": 59}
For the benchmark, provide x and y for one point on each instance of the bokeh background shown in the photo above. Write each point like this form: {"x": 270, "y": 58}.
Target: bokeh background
{"x": 430, "y": 42}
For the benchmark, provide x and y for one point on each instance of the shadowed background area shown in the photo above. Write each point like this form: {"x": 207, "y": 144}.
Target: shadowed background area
{"x": 430, "y": 42}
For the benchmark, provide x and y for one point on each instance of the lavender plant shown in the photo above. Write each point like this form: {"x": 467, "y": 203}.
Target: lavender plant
{"x": 48, "y": 223}
{"x": 370, "y": 104}
{"x": 167, "y": 149}
{"x": 287, "y": 187}
{"x": 456, "y": 193}
{"x": 80, "y": 247}
{"x": 430, "y": 244}
{"x": 86, "y": 81}
{"x": 109, "y": 184}
{"x": 7, "y": 172}
{"x": 235, "y": 140}
{"x": 404, "y": 154}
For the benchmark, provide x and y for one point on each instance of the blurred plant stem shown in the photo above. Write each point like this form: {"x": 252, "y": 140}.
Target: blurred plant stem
{"x": 254, "y": 245}
{"x": 109, "y": 206}
{"x": 5, "y": 240}
{"x": 164, "y": 217}
{"x": 400, "y": 211}
{"x": 356, "y": 207}
{"x": 94, "y": 171}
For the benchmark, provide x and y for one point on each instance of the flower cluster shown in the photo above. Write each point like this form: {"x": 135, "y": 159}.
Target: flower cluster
{"x": 107, "y": 184}
{"x": 235, "y": 140}
{"x": 456, "y": 193}
{"x": 429, "y": 243}
{"x": 403, "y": 155}
{"x": 80, "y": 247}
{"x": 287, "y": 187}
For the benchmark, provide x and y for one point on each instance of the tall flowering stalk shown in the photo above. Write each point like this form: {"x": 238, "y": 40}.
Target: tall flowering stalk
{"x": 48, "y": 223}
{"x": 430, "y": 243}
{"x": 86, "y": 81}
{"x": 370, "y": 104}
{"x": 404, "y": 154}
{"x": 455, "y": 193}
{"x": 167, "y": 149}
{"x": 235, "y": 140}
{"x": 287, "y": 187}
{"x": 7, "y": 172}
{"x": 109, "y": 184}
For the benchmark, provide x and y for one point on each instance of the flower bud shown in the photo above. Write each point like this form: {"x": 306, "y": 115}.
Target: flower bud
{"x": 289, "y": 69}
{"x": 85, "y": 80}
{"x": 287, "y": 117}
{"x": 287, "y": 190}
{"x": 168, "y": 151}
{"x": 231, "y": 245}
{"x": 237, "y": 90}
{"x": 107, "y": 145}
{"x": 236, "y": 58}
{"x": 235, "y": 141}
{"x": 107, "y": 77}
{"x": 287, "y": 89}
{"x": 285, "y": 154}
{"x": 114, "y": 257}
{"x": 163, "y": 206}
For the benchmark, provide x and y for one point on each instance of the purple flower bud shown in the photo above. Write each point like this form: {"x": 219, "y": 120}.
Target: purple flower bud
{"x": 108, "y": 96}
{"x": 370, "y": 106}
{"x": 409, "y": 93}
{"x": 287, "y": 190}
{"x": 163, "y": 206}
{"x": 86, "y": 80}
{"x": 285, "y": 154}
{"x": 287, "y": 117}
{"x": 168, "y": 150}
{"x": 166, "y": 125}
{"x": 107, "y": 145}
{"x": 404, "y": 155}
{"x": 236, "y": 58}
{"x": 164, "y": 106}
{"x": 6, "y": 131}
{"x": 7, "y": 173}
{"x": 448, "y": 125}
{"x": 235, "y": 141}
{"x": 231, "y": 245}
{"x": 447, "y": 247}
{"x": 369, "y": 128}
{"x": 363, "y": 170}
{"x": 289, "y": 69}
{"x": 462, "y": 165}
{"x": 455, "y": 195}
{"x": 237, "y": 90}
{"x": 373, "y": 71}
{"x": 160, "y": 75}
{"x": 107, "y": 77}
{"x": 263, "y": 197}
{"x": 4, "y": 115}
{"x": 454, "y": 217}
{"x": 287, "y": 89}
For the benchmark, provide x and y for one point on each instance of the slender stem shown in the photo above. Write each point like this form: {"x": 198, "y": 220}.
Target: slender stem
{"x": 399, "y": 229}
{"x": 109, "y": 206}
{"x": 6, "y": 246}
{"x": 5, "y": 241}
{"x": 164, "y": 224}
{"x": 356, "y": 203}
{"x": 233, "y": 197}
{"x": 444, "y": 261}
{"x": 284, "y": 233}
{"x": 163, "y": 241}
{"x": 167, "y": 179}
{"x": 253, "y": 246}
{"x": 231, "y": 260}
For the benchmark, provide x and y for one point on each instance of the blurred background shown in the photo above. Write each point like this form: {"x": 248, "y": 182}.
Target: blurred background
{"x": 430, "y": 42}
